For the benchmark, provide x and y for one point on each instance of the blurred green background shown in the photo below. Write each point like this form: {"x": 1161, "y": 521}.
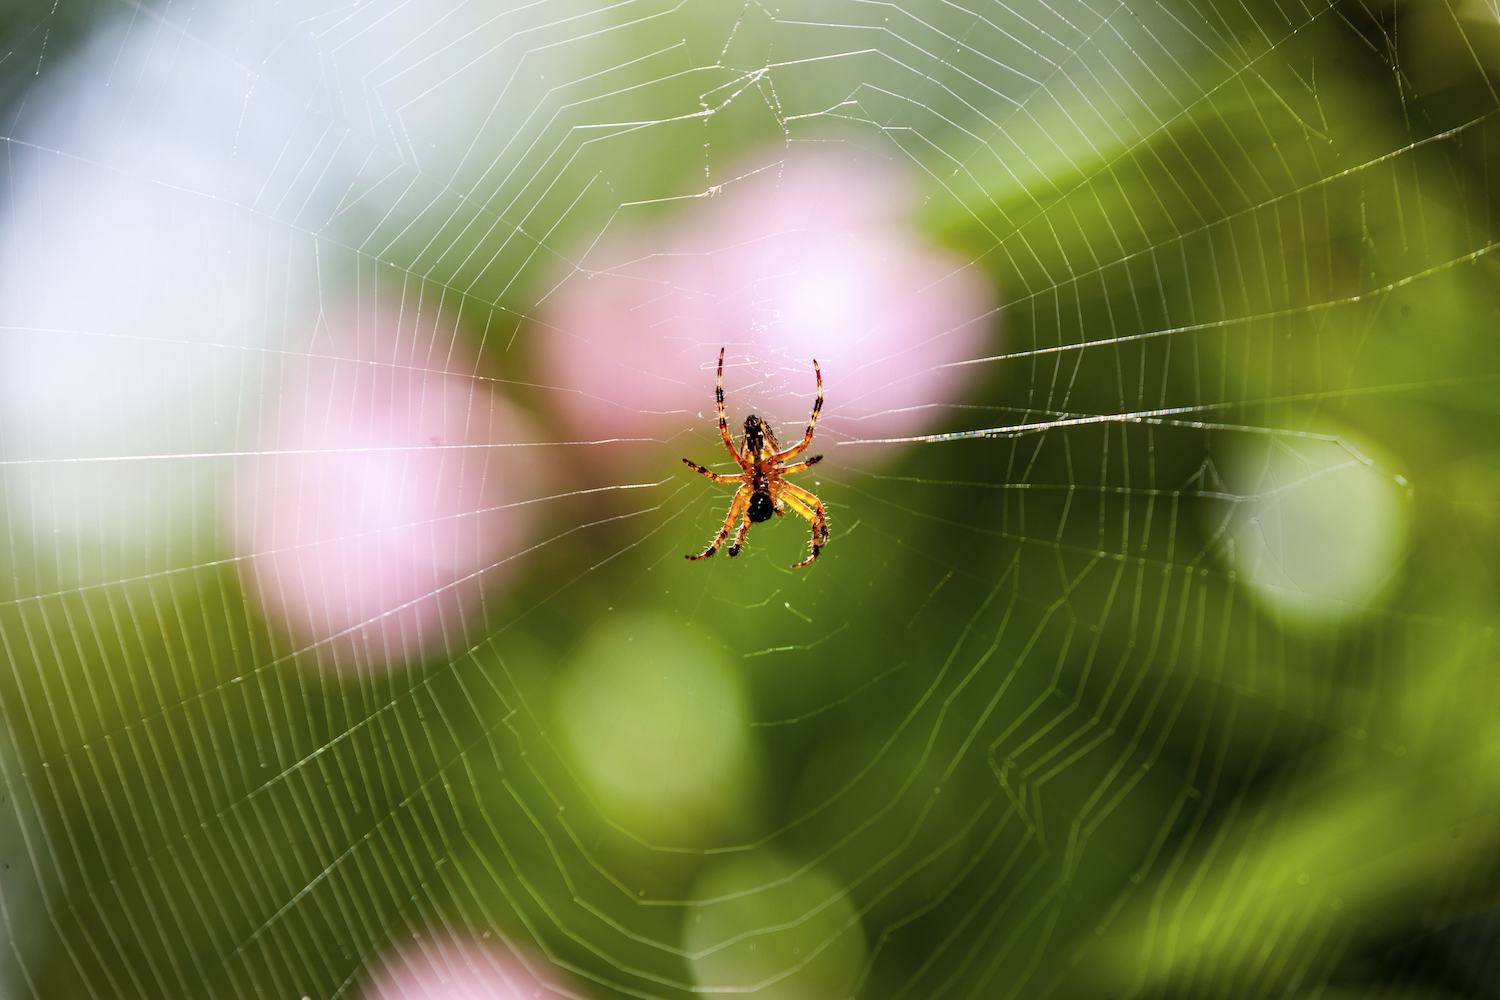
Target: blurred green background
{"x": 1194, "y": 699}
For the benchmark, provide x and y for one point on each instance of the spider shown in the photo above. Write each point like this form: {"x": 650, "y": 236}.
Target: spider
{"x": 763, "y": 491}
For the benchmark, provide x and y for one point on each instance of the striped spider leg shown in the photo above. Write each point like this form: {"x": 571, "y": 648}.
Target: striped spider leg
{"x": 763, "y": 492}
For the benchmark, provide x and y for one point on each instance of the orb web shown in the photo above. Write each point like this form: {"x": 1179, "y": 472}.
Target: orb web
{"x": 1149, "y": 650}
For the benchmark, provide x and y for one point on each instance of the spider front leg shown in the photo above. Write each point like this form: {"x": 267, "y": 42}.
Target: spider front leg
{"x": 724, "y": 423}
{"x": 812, "y": 421}
{"x": 736, "y": 509}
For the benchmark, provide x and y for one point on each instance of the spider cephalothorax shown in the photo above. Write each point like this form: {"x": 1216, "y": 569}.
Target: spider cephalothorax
{"x": 763, "y": 493}
{"x": 759, "y": 440}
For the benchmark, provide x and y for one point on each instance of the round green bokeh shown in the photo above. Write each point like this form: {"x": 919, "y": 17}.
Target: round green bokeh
{"x": 655, "y": 721}
{"x": 767, "y": 927}
{"x": 1321, "y": 531}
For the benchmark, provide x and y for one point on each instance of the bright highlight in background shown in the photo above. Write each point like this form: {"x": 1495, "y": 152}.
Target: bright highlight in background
{"x": 132, "y": 318}
{"x": 1321, "y": 534}
{"x": 771, "y": 928}
{"x": 657, "y": 723}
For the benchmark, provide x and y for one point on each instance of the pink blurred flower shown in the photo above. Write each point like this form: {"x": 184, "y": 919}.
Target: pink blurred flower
{"x": 459, "y": 970}
{"x": 813, "y": 256}
{"x": 379, "y": 503}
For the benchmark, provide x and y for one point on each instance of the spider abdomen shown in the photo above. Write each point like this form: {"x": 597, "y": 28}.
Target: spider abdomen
{"x": 761, "y": 506}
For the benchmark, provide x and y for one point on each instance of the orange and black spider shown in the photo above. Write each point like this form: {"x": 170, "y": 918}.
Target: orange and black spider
{"x": 763, "y": 492}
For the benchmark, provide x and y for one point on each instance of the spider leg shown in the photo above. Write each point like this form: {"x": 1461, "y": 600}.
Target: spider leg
{"x": 810, "y": 507}
{"x": 736, "y": 508}
{"x": 739, "y": 537}
{"x": 799, "y": 467}
{"x": 716, "y": 477}
{"x": 812, "y": 421}
{"x": 809, "y": 500}
{"x": 723, "y": 423}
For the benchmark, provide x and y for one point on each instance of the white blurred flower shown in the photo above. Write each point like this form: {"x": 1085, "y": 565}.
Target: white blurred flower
{"x": 136, "y": 300}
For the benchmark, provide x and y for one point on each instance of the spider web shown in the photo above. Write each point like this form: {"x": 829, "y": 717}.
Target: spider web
{"x": 1149, "y": 656}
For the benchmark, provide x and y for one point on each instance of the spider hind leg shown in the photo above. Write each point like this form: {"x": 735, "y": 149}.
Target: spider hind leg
{"x": 736, "y": 509}
{"x": 809, "y": 507}
{"x": 739, "y": 537}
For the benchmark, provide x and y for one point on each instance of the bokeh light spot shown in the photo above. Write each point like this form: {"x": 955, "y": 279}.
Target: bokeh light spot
{"x": 656, "y": 721}
{"x": 1320, "y": 531}
{"x": 772, "y": 929}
